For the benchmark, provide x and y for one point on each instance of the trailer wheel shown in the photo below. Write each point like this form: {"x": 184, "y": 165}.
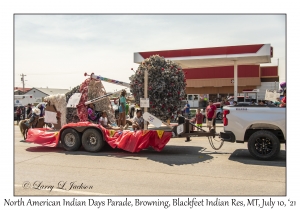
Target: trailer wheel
{"x": 92, "y": 140}
{"x": 70, "y": 139}
{"x": 264, "y": 145}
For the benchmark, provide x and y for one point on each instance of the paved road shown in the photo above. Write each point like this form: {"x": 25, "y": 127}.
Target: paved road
{"x": 182, "y": 168}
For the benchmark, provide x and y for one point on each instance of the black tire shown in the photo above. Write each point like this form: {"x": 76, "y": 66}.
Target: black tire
{"x": 92, "y": 140}
{"x": 70, "y": 139}
{"x": 264, "y": 145}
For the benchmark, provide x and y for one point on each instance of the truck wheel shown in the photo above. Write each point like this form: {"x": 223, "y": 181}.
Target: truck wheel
{"x": 92, "y": 140}
{"x": 70, "y": 139}
{"x": 264, "y": 145}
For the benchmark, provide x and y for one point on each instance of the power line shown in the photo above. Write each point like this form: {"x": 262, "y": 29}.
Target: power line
{"x": 20, "y": 83}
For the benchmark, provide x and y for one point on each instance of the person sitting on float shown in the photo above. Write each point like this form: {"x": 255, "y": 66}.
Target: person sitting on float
{"x": 138, "y": 121}
{"x": 93, "y": 115}
{"x": 106, "y": 123}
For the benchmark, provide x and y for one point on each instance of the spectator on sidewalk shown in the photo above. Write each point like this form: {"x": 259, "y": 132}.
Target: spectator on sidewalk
{"x": 199, "y": 118}
{"x": 19, "y": 113}
{"x": 211, "y": 113}
{"x": 187, "y": 109}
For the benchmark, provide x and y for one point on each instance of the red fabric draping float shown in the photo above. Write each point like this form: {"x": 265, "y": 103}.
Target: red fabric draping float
{"x": 127, "y": 140}
{"x": 41, "y": 136}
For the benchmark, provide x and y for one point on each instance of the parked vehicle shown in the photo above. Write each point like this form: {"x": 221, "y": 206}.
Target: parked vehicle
{"x": 262, "y": 127}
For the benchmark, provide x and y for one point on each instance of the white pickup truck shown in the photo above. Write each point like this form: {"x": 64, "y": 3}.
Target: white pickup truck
{"x": 263, "y": 127}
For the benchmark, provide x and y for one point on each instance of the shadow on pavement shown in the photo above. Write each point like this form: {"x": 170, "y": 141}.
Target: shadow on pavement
{"x": 170, "y": 155}
{"x": 46, "y": 149}
{"x": 244, "y": 156}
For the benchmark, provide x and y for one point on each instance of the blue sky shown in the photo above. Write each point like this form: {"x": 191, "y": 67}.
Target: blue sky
{"x": 55, "y": 50}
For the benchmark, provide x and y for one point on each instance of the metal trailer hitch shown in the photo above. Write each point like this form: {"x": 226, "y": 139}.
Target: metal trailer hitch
{"x": 188, "y": 132}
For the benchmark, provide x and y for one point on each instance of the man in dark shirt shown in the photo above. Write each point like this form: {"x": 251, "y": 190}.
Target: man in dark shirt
{"x": 29, "y": 111}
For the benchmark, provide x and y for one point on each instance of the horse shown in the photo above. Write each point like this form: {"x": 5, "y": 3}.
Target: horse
{"x": 41, "y": 123}
{"x": 37, "y": 123}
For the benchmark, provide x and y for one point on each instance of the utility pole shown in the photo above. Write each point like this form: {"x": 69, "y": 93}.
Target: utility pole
{"x": 146, "y": 96}
{"x": 23, "y": 80}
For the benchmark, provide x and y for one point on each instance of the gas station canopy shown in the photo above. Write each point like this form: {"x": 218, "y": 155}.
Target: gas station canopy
{"x": 215, "y": 56}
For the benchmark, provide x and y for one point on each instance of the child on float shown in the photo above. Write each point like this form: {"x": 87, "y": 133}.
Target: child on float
{"x": 138, "y": 121}
{"x": 92, "y": 114}
{"x": 106, "y": 123}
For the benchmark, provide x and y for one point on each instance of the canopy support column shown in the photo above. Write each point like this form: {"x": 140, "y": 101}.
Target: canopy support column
{"x": 235, "y": 83}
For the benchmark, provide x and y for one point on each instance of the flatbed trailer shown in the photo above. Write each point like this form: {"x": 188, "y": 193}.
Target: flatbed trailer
{"x": 93, "y": 137}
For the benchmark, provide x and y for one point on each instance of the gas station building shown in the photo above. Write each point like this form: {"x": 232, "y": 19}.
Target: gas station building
{"x": 212, "y": 72}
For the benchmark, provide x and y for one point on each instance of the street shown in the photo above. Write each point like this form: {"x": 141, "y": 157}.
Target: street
{"x": 181, "y": 168}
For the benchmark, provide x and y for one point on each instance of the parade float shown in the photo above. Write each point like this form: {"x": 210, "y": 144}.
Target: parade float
{"x": 160, "y": 82}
